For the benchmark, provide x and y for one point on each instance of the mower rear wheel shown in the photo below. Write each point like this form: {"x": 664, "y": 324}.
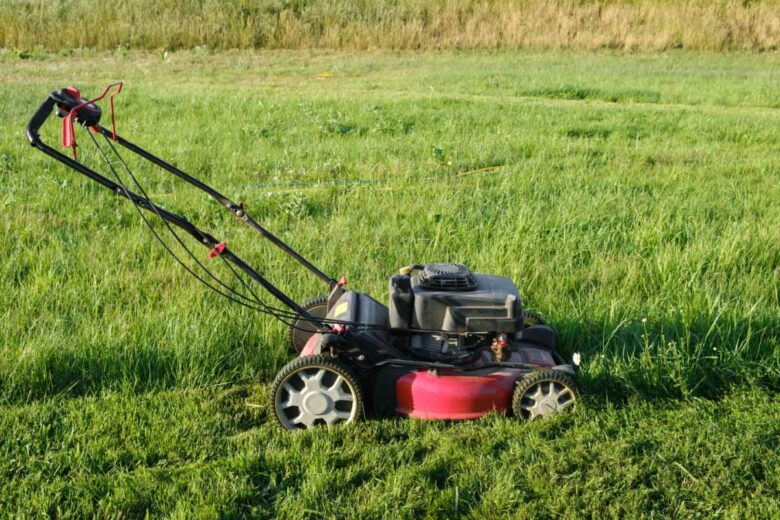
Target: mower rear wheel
{"x": 543, "y": 394}
{"x": 530, "y": 318}
{"x": 301, "y": 330}
{"x": 316, "y": 390}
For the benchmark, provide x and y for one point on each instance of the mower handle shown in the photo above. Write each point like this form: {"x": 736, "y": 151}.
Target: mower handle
{"x": 71, "y": 104}
{"x": 38, "y": 119}
{"x": 66, "y": 102}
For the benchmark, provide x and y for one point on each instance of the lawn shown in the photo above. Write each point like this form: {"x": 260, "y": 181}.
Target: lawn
{"x": 633, "y": 198}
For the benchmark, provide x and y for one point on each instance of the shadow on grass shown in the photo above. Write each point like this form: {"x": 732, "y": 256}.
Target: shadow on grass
{"x": 651, "y": 360}
{"x": 92, "y": 369}
{"x": 671, "y": 359}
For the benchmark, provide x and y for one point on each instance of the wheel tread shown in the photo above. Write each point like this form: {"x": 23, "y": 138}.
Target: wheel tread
{"x": 320, "y": 360}
{"x": 296, "y": 346}
{"x": 532, "y": 379}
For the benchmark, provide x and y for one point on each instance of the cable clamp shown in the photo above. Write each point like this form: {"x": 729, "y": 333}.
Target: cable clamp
{"x": 338, "y": 328}
{"x": 218, "y": 250}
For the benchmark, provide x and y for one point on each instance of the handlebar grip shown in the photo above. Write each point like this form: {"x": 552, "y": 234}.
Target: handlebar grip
{"x": 38, "y": 119}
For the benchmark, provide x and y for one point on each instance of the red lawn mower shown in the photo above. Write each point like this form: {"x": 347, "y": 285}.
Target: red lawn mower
{"x": 450, "y": 343}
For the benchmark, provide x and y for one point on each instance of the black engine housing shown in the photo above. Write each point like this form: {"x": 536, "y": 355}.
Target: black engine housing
{"x": 450, "y": 298}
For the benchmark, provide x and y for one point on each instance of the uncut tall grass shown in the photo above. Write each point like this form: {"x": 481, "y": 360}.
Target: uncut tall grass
{"x": 391, "y": 24}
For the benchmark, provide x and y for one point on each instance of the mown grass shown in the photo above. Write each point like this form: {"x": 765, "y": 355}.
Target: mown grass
{"x": 649, "y": 25}
{"x": 633, "y": 199}
{"x": 157, "y": 453}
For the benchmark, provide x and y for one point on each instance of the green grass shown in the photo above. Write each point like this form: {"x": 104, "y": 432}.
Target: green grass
{"x": 632, "y": 198}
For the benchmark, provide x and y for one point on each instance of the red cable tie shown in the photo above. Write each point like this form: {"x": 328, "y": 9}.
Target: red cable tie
{"x": 338, "y": 328}
{"x": 218, "y": 250}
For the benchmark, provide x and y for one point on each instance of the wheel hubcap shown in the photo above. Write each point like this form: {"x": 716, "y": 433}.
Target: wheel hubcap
{"x": 546, "y": 398}
{"x": 314, "y": 396}
{"x": 316, "y": 403}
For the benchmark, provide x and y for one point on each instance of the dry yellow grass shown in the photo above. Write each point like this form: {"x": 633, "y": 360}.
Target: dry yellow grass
{"x": 391, "y": 24}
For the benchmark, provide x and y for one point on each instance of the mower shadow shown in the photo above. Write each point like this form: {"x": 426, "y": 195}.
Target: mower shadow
{"x": 630, "y": 365}
{"x": 668, "y": 359}
{"x": 652, "y": 360}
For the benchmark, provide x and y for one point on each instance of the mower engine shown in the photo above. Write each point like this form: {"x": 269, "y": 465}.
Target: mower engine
{"x": 459, "y": 308}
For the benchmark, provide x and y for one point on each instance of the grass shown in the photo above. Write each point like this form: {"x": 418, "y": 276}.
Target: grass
{"x": 632, "y": 198}
{"x": 649, "y": 25}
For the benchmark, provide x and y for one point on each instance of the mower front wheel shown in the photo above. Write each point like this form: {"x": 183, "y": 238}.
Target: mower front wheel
{"x": 301, "y": 330}
{"x": 543, "y": 394}
{"x": 316, "y": 390}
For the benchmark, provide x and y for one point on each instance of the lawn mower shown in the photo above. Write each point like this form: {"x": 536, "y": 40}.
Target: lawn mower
{"x": 450, "y": 344}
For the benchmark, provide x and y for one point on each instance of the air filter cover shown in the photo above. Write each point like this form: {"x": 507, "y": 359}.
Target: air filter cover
{"x": 447, "y": 277}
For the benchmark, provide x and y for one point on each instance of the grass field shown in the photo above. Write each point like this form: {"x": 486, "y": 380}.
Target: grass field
{"x": 632, "y": 198}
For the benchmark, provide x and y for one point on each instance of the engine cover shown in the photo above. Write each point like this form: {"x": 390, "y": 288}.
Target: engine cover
{"x": 449, "y": 298}
{"x": 446, "y": 277}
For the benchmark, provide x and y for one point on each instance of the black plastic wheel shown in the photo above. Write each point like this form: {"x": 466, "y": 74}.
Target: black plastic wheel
{"x": 530, "y": 318}
{"x": 316, "y": 390}
{"x": 543, "y": 394}
{"x": 301, "y": 330}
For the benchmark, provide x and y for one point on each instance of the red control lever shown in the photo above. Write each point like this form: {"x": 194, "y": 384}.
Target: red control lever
{"x": 68, "y": 136}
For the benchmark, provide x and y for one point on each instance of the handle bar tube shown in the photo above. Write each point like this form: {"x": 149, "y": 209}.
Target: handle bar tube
{"x": 202, "y": 237}
{"x": 236, "y": 209}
